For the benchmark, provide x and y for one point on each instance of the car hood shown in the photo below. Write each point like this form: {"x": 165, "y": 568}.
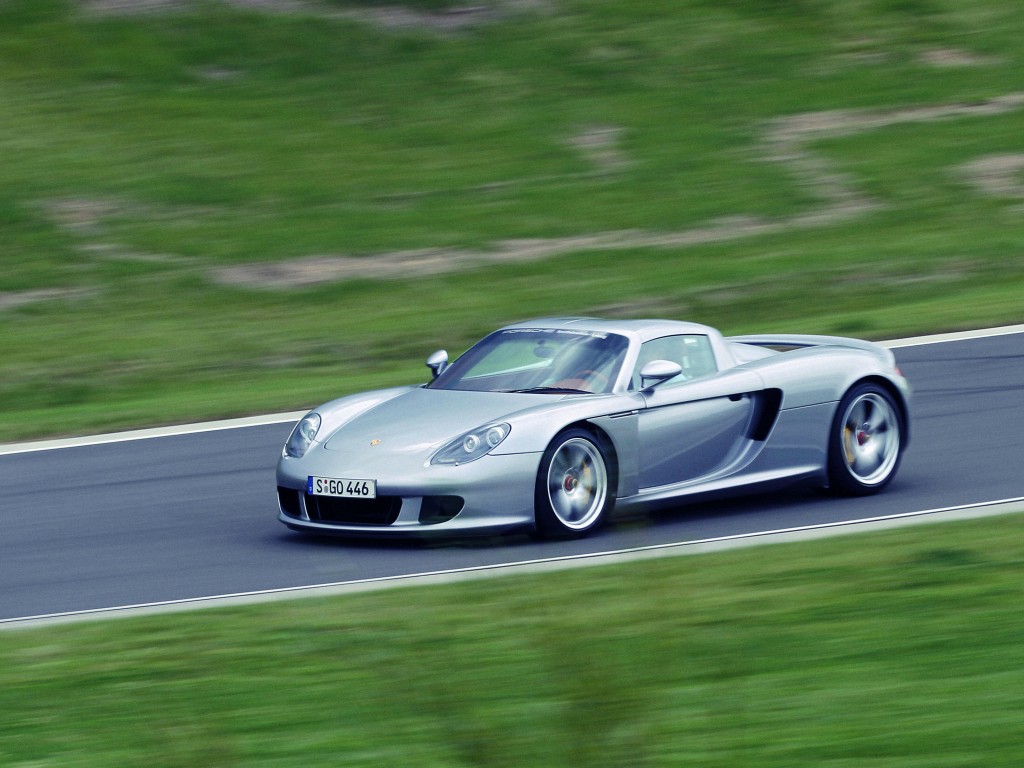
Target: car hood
{"x": 421, "y": 420}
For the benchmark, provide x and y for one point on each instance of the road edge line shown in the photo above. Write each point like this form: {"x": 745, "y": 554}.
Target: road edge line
{"x": 544, "y": 565}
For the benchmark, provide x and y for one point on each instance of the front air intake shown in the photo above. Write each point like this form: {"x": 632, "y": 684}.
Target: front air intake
{"x": 440, "y": 509}
{"x": 382, "y": 510}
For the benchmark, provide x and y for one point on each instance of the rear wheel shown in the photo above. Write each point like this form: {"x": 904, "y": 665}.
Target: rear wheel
{"x": 866, "y": 444}
{"x": 573, "y": 491}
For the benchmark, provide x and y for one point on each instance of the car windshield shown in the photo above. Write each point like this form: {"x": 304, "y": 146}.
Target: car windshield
{"x": 538, "y": 360}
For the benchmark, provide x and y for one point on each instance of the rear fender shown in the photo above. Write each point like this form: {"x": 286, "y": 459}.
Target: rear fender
{"x": 821, "y": 374}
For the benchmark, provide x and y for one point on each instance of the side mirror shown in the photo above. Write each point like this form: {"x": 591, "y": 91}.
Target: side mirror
{"x": 658, "y": 372}
{"x": 437, "y": 362}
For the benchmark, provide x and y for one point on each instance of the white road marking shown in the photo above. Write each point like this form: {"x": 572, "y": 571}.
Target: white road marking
{"x": 697, "y": 546}
{"x": 940, "y": 338}
{"x": 148, "y": 434}
{"x": 281, "y": 418}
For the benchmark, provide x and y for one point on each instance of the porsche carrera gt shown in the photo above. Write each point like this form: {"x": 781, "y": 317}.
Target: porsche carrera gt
{"x": 551, "y": 424}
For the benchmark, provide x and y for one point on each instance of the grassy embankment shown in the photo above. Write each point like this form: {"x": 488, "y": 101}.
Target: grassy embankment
{"x": 900, "y": 649}
{"x": 675, "y": 159}
{"x": 143, "y": 154}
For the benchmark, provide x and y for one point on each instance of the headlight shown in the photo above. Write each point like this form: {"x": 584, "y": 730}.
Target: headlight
{"x": 472, "y": 445}
{"x": 302, "y": 436}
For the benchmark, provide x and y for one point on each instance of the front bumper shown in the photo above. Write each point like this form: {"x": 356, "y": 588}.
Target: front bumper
{"x": 492, "y": 494}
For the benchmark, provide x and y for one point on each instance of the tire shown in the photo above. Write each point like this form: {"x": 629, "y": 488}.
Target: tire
{"x": 574, "y": 486}
{"x": 866, "y": 443}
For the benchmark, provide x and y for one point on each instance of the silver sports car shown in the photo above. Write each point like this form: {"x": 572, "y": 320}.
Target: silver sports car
{"x": 551, "y": 423}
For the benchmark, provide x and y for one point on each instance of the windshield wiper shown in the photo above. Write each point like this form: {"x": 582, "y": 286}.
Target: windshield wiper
{"x": 551, "y": 391}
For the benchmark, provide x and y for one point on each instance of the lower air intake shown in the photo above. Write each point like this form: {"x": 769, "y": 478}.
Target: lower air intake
{"x": 440, "y": 509}
{"x": 382, "y": 510}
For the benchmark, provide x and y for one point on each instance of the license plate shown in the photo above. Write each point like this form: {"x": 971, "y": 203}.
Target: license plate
{"x": 342, "y": 487}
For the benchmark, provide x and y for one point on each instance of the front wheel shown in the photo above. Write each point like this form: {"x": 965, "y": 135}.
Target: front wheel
{"x": 573, "y": 486}
{"x": 866, "y": 443}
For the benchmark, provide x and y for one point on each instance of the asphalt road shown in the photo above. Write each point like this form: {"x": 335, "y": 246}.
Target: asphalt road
{"x": 191, "y": 516}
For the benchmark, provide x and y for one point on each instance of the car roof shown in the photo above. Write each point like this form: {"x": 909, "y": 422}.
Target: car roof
{"x": 640, "y": 330}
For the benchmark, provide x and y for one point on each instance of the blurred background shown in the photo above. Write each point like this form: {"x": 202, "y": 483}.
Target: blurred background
{"x": 211, "y": 209}
{"x": 214, "y": 208}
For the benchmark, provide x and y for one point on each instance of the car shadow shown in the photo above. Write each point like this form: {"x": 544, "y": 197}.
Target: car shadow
{"x": 631, "y": 527}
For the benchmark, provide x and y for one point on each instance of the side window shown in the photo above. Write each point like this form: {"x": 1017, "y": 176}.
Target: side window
{"x": 693, "y": 353}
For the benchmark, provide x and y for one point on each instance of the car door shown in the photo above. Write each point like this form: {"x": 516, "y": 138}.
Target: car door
{"x": 697, "y": 425}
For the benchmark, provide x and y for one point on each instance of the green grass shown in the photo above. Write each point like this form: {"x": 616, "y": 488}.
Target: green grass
{"x": 142, "y": 154}
{"x": 899, "y": 648}
{"x": 145, "y": 153}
